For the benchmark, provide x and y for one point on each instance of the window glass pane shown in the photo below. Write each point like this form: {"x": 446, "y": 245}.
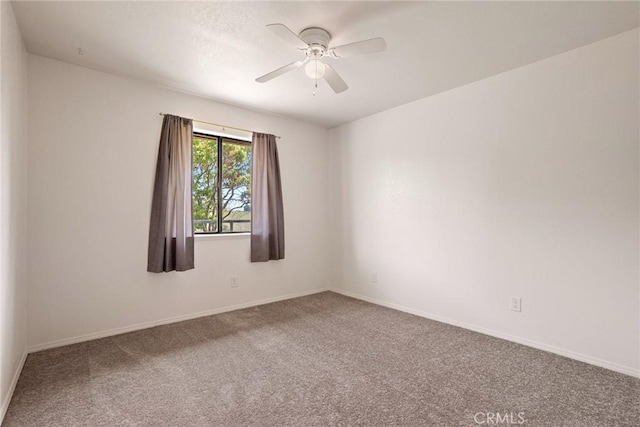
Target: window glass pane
{"x": 205, "y": 183}
{"x": 236, "y": 186}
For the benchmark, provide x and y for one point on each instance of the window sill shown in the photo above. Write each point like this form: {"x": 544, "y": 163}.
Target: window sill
{"x": 221, "y": 236}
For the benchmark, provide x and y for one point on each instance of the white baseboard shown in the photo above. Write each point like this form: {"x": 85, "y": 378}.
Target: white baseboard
{"x": 145, "y": 325}
{"x": 12, "y": 387}
{"x": 634, "y": 372}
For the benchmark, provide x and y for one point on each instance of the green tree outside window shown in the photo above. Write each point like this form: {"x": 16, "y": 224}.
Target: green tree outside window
{"x": 221, "y": 184}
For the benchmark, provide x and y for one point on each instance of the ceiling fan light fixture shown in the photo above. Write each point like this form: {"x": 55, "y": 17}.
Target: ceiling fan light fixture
{"x": 315, "y": 69}
{"x": 314, "y": 43}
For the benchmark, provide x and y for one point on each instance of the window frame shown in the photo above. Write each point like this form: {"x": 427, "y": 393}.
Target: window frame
{"x": 220, "y": 140}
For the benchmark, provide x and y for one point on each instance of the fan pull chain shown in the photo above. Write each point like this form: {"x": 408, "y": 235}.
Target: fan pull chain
{"x": 316, "y": 88}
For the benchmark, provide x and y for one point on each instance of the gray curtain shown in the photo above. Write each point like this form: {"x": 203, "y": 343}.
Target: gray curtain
{"x": 267, "y": 218}
{"x": 171, "y": 229}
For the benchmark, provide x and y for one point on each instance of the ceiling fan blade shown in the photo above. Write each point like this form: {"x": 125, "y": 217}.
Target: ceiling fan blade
{"x": 335, "y": 81}
{"x": 287, "y": 35}
{"x": 280, "y": 71}
{"x": 360, "y": 48}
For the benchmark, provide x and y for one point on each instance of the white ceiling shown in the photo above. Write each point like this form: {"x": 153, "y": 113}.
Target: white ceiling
{"x": 217, "y": 49}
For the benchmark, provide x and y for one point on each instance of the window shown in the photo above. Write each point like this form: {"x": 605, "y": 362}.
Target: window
{"x": 221, "y": 185}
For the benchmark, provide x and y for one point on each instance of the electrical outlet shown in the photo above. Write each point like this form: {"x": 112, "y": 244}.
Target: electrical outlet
{"x": 374, "y": 277}
{"x": 516, "y": 304}
{"x": 234, "y": 281}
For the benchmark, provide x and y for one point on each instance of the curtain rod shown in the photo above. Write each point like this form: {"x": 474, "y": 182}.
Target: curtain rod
{"x": 224, "y": 127}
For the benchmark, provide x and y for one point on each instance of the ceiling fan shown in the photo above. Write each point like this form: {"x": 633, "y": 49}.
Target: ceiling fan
{"x": 314, "y": 43}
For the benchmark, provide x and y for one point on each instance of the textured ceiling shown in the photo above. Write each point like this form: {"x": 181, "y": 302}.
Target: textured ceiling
{"x": 217, "y": 49}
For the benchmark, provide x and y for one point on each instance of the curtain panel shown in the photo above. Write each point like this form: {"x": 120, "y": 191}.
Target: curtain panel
{"x": 267, "y": 216}
{"x": 171, "y": 228}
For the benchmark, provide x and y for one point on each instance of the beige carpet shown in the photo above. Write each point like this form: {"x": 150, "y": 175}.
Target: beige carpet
{"x": 321, "y": 360}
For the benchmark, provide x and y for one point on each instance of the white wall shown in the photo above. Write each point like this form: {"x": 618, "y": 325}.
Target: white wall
{"x": 13, "y": 203}
{"x": 93, "y": 141}
{"x": 524, "y": 184}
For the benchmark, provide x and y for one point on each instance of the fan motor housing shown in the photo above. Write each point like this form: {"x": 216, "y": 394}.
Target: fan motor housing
{"x": 316, "y": 38}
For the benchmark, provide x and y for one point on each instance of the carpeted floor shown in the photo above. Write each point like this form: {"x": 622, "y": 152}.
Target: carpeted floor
{"x": 321, "y": 360}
